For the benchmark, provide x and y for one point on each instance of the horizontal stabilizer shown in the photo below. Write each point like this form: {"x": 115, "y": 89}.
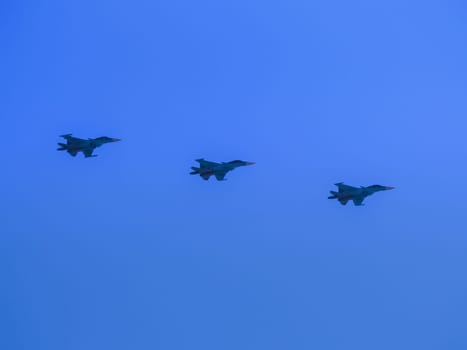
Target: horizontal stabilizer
{"x": 195, "y": 170}
{"x": 333, "y": 195}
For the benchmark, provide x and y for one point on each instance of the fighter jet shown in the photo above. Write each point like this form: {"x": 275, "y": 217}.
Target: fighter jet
{"x": 356, "y": 194}
{"x": 74, "y": 145}
{"x": 219, "y": 170}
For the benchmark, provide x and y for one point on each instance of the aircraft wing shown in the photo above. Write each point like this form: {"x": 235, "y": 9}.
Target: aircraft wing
{"x": 206, "y": 164}
{"x": 345, "y": 188}
{"x": 70, "y": 138}
{"x": 358, "y": 201}
{"x": 88, "y": 152}
{"x": 220, "y": 175}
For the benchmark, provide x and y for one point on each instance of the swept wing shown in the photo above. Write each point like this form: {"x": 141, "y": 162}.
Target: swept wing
{"x": 345, "y": 188}
{"x": 358, "y": 200}
{"x": 206, "y": 164}
{"x": 88, "y": 152}
{"x": 220, "y": 175}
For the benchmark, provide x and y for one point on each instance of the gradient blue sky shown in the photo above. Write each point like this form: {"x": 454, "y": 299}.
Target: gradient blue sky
{"x": 127, "y": 251}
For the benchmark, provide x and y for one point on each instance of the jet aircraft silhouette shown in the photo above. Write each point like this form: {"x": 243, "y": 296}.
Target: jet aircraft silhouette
{"x": 219, "y": 170}
{"x": 75, "y": 145}
{"x": 356, "y": 194}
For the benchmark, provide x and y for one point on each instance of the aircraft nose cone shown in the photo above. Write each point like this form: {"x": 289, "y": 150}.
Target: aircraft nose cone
{"x": 389, "y": 188}
{"x": 116, "y": 140}
{"x": 250, "y": 163}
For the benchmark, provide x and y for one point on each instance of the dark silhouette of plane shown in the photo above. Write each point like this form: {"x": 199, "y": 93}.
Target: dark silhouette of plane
{"x": 219, "y": 170}
{"x": 356, "y": 194}
{"x": 74, "y": 145}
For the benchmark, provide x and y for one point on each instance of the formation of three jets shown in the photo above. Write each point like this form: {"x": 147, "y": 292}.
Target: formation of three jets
{"x": 207, "y": 169}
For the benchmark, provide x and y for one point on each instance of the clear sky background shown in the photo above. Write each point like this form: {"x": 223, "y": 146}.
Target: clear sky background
{"x": 128, "y": 251}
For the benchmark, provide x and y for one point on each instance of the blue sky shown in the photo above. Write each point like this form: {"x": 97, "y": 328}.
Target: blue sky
{"x": 127, "y": 251}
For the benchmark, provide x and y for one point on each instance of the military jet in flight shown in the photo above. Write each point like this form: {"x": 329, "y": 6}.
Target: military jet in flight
{"x": 356, "y": 194}
{"x": 219, "y": 170}
{"x": 74, "y": 145}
